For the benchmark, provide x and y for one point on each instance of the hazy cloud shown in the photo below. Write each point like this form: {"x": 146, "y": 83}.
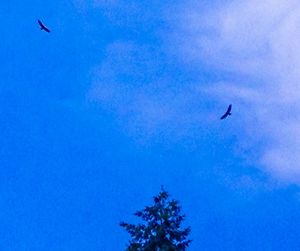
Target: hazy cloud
{"x": 259, "y": 43}
{"x": 132, "y": 83}
{"x": 256, "y": 42}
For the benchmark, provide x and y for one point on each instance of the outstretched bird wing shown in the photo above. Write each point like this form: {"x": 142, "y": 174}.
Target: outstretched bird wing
{"x": 227, "y": 112}
{"x": 43, "y": 27}
{"x": 229, "y": 109}
{"x": 224, "y": 116}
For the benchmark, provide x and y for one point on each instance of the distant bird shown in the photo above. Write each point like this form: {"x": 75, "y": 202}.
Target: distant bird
{"x": 227, "y": 113}
{"x": 43, "y": 27}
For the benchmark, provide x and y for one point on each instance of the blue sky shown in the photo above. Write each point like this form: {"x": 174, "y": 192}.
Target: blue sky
{"x": 125, "y": 96}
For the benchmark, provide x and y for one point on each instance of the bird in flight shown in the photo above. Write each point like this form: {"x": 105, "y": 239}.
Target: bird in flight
{"x": 43, "y": 27}
{"x": 227, "y": 113}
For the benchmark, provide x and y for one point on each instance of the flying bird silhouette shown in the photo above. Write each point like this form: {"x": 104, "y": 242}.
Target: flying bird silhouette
{"x": 227, "y": 113}
{"x": 43, "y": 27}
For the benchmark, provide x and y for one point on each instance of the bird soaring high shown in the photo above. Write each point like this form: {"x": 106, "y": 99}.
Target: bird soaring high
{"x": 43, "y": 27}
{"x": 227, "y": 113}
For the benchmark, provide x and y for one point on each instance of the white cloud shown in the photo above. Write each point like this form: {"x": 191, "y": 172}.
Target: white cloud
{"x": 257, "y": 42}
{"x": 132, "y": 84}
{"x": 260, "y": 41}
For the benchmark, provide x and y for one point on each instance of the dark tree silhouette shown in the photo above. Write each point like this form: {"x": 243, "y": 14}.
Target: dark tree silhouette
{"x": 161, "y": 230}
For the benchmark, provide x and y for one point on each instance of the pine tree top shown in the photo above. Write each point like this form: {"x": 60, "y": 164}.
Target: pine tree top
{"x": 161, "y": 228}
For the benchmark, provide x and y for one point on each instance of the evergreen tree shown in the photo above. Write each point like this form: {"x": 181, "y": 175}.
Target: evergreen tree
{"x": 161, "y": 230}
